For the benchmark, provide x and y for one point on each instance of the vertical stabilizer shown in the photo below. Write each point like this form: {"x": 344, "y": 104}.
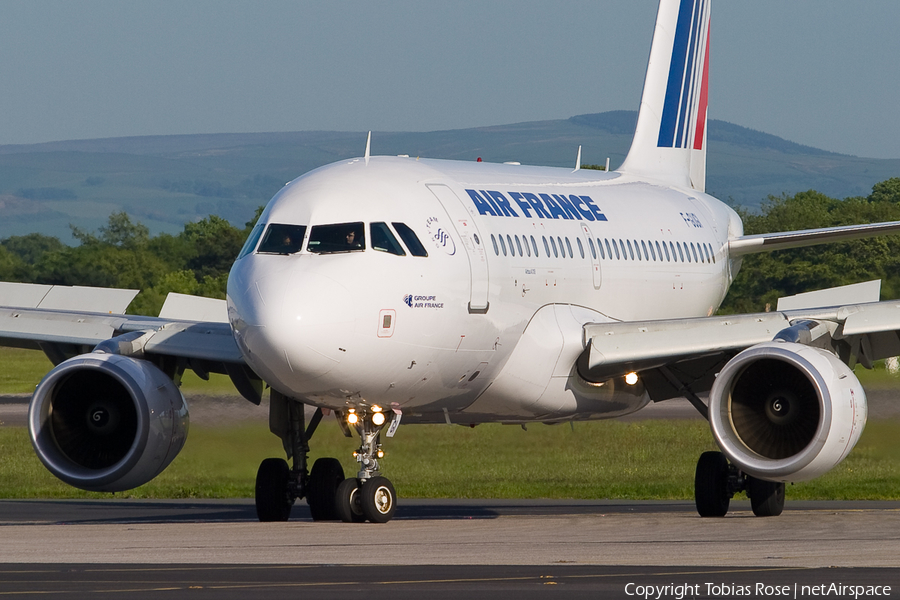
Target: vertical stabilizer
{"x": 670, "y": 138}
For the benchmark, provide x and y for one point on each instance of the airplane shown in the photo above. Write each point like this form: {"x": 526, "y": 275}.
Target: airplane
{"x": 388, "y": 289}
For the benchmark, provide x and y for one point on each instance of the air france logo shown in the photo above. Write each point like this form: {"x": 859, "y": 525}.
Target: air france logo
{"x": 536, "y": 206}
{"x": 440, "y": 236}
{"x": 422, "y": 301}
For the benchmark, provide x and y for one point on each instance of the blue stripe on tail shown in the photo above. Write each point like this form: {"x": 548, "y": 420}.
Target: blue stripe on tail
{"x": 675, "y": 87}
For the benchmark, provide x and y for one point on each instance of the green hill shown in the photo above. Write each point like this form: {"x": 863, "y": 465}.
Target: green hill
{"x": 165, "y": 181}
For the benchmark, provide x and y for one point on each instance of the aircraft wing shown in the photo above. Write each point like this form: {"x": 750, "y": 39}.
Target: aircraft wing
{"x": 66, "y": 321}
{"x": 686, "y": 354}
{"x": 767, "y": 242}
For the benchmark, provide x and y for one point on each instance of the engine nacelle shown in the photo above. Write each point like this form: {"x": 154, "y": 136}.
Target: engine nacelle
{"x": 782, "y": 411}
{"x": 107, "y": 423}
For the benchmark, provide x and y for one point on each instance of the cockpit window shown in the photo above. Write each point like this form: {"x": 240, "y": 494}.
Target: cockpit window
{"x": 411, "y": 240}
{"x": 282, "y": 239}
{"x": 384, "y": 241}
{"x": 344, "y": 237}
{"x": 252, "y": 239}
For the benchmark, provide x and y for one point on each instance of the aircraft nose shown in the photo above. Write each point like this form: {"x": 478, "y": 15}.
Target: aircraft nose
{"x": 294, "y": 327}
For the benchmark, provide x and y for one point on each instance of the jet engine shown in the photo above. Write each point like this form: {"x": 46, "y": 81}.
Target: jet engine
{"x": 107, "y": 423}
{"x": 783, "y": 411}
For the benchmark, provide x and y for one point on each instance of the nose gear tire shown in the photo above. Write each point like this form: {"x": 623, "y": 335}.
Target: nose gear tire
{"x": 378, "y": 500}
{"x": 346, "y": 504}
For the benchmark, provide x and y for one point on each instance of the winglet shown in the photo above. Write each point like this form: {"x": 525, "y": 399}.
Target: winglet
{"x": 368, "y": 146}
{"x": 578, "y": 160}
{"x": 670, "y": 138}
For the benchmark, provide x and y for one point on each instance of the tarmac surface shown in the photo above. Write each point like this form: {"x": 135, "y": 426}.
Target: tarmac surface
{"x": 445, "y": 549}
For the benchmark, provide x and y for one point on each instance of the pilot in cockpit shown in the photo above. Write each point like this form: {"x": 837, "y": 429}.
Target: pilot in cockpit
{"x": 351, "y": 239}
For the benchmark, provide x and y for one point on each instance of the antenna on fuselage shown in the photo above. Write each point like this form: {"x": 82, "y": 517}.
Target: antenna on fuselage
{"x": 578, "y": 160}
{"x": 368, "y": 146}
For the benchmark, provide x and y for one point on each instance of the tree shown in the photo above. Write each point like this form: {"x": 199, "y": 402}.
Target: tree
{"x": 214, "y": 244}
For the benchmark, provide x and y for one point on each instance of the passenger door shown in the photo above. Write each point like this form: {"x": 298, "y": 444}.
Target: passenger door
{"x": 473, "y": 243}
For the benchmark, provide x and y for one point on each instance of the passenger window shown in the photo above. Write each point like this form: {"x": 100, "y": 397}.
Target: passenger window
{"x": 555, "y": 251}
{"x": 496, "y": 248}
{"x": 694, "y": 252}
{"x": 652, "y": 252}
{"x": 527, "y": 247}
{"x": 569, "y": 249}
{"x": 534, "y": 245}
{"x": 706, "y": 252}
{"x": 252, "y": 239}
{"x": 644, "y": 248}
{"x": 666, "y": 248}
{"x": 283, "y": 239}
{"x": 383, "y": 240}
{"x": 546, "y": 246}
{"x": 624, "y": 252}
{"x": 519, "y": 246}
{"x": 608, "y": 251}
{"x": 712, "y": 253}
{"x": 672, "y": 248}
{"x": 411, "y": 240}
{"x": 580, "y": 246}
{"x": 502, "y": 245}
{"x": 680, "y": 253}
{"x": 658, "y": 252}
{"x": 630, "y": 250}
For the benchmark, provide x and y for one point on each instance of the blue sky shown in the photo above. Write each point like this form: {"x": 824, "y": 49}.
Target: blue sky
{"x": 817, "y": 72}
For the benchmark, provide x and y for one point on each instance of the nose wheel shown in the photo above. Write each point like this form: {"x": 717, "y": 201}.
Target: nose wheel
{"x": 368, "y": 497}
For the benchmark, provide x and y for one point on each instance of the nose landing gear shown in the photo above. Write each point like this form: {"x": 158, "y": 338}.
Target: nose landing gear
{"x": 330, "y": 496}
{"x": 370, "y": 496}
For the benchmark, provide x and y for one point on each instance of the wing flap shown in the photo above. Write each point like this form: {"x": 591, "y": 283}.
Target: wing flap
{"x": 655, "y": 341}
{"x": 64, "y": 297}
{"x": 862, "y": 332}
{"x": 37, "y": 325}
{"x": 871, "y": 318}
{"x": 184, "y": 307}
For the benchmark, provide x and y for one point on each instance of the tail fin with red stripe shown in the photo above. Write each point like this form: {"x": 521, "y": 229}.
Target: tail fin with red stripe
{"x": 670, "y": 138}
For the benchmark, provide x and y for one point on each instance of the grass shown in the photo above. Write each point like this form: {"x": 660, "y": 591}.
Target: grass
{"x": 606, "y": 459}
{"x": 650, "y": 459}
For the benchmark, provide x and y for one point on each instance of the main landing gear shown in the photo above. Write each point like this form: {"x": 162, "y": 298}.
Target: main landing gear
{"x": 330, "y": 496}
{"x": 716, "y": 481}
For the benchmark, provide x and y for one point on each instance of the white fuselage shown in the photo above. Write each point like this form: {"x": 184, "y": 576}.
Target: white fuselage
{"x": 429, "y": 335}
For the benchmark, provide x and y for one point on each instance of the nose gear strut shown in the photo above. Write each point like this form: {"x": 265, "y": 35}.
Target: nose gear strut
{"x": 371, "y": 497}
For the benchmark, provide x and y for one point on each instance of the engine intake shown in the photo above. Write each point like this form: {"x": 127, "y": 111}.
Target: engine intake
{"x": 107, "y": 423}
{"x": 783, "y": 411}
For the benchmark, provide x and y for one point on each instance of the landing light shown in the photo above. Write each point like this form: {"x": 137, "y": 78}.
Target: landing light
{"x": 352, "y": 418}
{"x": 378, "y": 418}
{"x": 631, "y": 378}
